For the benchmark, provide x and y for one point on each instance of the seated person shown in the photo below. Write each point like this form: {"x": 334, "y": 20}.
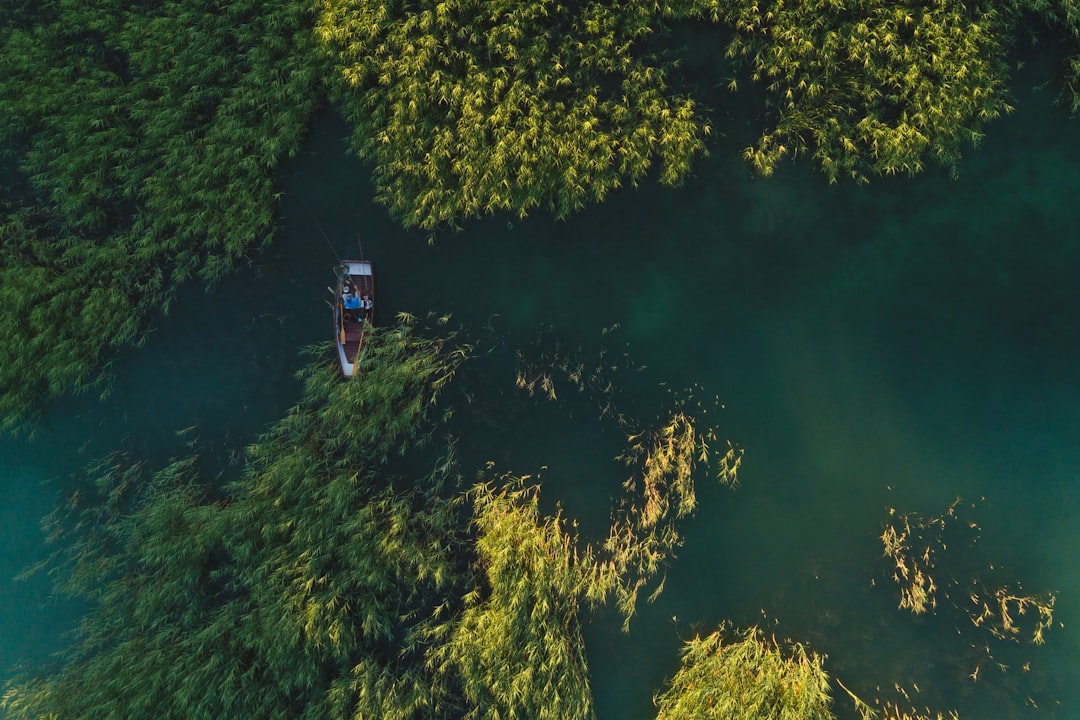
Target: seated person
{"x": 351, "y": 301}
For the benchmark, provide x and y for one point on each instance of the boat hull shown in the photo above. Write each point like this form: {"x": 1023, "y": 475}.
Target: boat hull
{"x": 352, "y": 324}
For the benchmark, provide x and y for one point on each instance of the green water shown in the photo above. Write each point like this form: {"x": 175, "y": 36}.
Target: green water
{"x": 896, "y": 345}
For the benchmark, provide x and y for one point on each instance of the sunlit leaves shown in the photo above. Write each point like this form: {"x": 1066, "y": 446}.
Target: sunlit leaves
{"x": 871, "y": 87}
{"x": 300, "y": 592}
{"x": 517, "y": 645}
{"x": 468, "y": 107}
{"x": 746, "y": 676}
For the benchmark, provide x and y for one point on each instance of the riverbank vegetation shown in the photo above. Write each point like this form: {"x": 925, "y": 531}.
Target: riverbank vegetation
{"x": 468, "y": 107}
{"x": 147, "y": 136}
{"x": 326, "y": 582}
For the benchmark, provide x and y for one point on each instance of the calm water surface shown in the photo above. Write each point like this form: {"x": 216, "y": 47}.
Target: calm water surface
{"x": 897, "y": 345}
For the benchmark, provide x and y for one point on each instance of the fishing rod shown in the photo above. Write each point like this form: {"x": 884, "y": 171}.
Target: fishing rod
{"x": 326, "y": 238}
{"x": 323, "y": 232}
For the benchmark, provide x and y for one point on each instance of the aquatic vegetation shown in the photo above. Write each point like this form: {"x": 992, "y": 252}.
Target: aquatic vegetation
{"x": 998, "y": 611}
{"x": 914, "y": 565}
{"x": 148, "y": 133}
{"x": 663, "y": 459}
{"x": 914, "y": 544}
{"x": 744, "y": 675}
{"x": 325, "y": 583}
{"x": 889, "y": 710}
{"x": 300, "y": 586}
{"x": 658, "y": 493}
{"x": 468, "y": 107}
{"x": 1063, "y": 17}
{"x": 871, "y": 87}
{"x": 517, "y": 645}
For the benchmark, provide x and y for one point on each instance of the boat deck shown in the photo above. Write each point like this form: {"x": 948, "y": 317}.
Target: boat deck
{"x": 353, "y": 322}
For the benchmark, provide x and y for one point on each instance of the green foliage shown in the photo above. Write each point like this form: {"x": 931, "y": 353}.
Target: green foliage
{"x": 468, "y": 107}
{"x": 749, "y": 677}
{"x": 872, "y": 87}
{"x": 322, "y": 585}
{"x": 517, "y": 647}
{"x": 66, "y": 306}
{"x": 1064, "y": 17}
{"x": 149, "y": 133}
{"x": 298, "y": 594}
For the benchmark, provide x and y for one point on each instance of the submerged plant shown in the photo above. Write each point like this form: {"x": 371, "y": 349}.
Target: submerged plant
{"x": 912, "y": 543}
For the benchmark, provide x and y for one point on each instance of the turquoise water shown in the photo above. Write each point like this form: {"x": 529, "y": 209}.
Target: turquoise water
{"x": 896, "y": 345}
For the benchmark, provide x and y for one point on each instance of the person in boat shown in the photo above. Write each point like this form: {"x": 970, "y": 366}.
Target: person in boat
{"x": 351, "y": 302}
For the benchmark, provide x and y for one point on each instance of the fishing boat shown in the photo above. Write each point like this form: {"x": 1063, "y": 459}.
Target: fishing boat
{"x": 354, "y": 311}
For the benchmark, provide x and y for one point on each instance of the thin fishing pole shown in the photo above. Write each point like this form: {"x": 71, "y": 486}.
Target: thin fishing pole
{"x": 325, "y": 236}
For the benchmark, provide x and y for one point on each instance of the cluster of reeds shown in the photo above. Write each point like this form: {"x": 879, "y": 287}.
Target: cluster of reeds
{"x": 660, "y": 489}
{"x": 659, "y": 492}
{"x": 148, "y": 133}
{"x": 516, "y": 647}
{"x": 910, "y": 542}
{"x": 305, "y": 587}
{"x": 872, "y": 87}
{"x": 894, "y": 711}
{"x": 1063, "y": 17}
{"x": 997, "y": 611}
{"x": 468, "y": 107}
{"x": 914, "y": 544}
{"x": 744, "y": 675}
{"x": 322, "y": 584}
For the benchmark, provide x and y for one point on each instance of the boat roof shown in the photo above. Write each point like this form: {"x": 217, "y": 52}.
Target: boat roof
{"x": 358, "y": 267}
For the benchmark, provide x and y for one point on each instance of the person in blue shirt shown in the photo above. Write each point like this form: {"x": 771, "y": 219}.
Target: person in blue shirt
{"x": 351, "y": 301}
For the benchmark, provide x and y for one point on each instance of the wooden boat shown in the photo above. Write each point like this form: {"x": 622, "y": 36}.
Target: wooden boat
{"x": 354, "y": 311}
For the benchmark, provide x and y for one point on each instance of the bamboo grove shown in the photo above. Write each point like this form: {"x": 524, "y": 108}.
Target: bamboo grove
{"x": 142, "y": 140}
